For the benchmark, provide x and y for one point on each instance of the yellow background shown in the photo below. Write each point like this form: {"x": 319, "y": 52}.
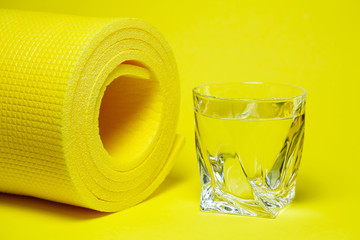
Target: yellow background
{"x": 313, "y": 44}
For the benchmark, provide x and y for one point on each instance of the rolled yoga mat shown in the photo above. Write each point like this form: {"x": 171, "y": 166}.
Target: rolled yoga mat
{"x": 88, "y": 109}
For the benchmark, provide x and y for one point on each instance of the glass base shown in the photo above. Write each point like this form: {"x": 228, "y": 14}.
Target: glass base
{"x": 264, "y": 204}
{"x": 255, "y": 200}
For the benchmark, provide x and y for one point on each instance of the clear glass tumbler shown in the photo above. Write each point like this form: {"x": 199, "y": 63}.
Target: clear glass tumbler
{"x": 249, "y": 140}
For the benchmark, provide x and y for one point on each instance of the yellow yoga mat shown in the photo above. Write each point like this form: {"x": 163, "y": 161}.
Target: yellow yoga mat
{"x": 88, "y": 109}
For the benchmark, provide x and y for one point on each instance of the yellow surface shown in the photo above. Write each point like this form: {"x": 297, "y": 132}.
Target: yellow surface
{"x": 314, "y": 44}
{"x": 88, "y": 109}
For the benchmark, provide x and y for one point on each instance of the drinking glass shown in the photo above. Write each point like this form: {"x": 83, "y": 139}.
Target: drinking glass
{"x": 249, "y": 139}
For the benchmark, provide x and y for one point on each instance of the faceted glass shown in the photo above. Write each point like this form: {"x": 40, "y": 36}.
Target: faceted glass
{"x": 249, "y": 139}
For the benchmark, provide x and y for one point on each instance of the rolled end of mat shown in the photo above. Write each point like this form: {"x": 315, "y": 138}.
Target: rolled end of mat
{"x": 90, "y": 109}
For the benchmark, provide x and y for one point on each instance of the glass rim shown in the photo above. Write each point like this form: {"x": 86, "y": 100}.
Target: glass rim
{"x": 302, "y": 95}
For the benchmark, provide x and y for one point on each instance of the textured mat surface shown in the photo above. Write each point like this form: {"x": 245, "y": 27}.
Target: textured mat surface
{"x": 88, "y": 109}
